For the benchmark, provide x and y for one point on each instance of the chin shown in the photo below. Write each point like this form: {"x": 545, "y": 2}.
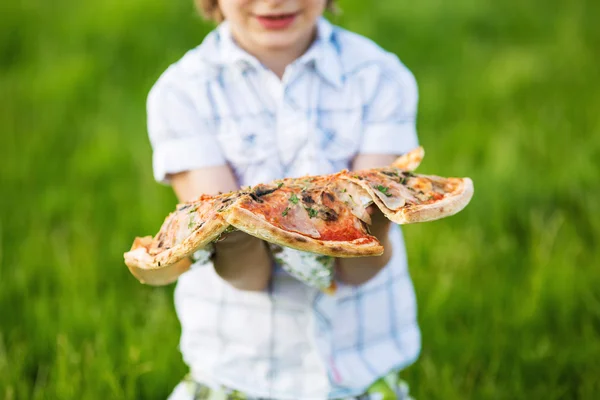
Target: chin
{"x": 279, "y": 40}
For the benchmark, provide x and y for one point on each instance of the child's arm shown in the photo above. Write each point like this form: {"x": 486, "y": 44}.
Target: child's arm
{"x": 240, "y": 259}
{"x": 355, "y": 271}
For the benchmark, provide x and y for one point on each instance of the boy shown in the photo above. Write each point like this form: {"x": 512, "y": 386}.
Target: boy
{"x": 277, "y": 91}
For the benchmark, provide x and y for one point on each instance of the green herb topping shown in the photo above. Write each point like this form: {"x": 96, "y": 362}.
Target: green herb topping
{"x": 312, "y": 212}
{"x": 294, "y": 198}
{"x": 384, "y": 190}
{"x": 285, "y": 212}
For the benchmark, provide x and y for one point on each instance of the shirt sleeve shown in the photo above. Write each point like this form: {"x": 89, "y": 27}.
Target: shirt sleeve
{"x": 181, "y": 138}
{"x": 389, "y": 118}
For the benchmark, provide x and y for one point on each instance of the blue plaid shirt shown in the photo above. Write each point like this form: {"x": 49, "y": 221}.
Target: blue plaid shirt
{"x": 219, "y": 106}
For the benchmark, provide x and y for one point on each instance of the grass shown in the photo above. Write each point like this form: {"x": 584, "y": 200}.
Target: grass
{"x": 508, "y": 290}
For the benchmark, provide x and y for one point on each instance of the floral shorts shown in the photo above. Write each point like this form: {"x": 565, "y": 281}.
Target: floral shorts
{"x": 390, "y": 387}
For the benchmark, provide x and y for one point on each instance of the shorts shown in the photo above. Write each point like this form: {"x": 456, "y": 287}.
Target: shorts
{"x": 390, "y": 387}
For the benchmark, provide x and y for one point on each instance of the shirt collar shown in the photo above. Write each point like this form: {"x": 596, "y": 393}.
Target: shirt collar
{"x": 322, "y": 54}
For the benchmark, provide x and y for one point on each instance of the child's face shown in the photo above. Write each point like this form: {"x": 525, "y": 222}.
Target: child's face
{"x": 261, "y": 25}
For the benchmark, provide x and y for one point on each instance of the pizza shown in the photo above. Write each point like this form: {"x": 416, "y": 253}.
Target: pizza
{"x": 324, "y": 215}
{"x": 192, "y": 226}
{"x": 309, "y": 214}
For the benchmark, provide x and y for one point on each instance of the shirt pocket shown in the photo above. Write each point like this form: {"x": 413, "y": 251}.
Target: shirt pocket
{"x": 246, "y": 141}
{"x": 338, "y": 133}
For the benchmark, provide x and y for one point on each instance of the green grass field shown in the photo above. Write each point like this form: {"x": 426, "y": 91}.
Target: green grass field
{"x": 508, "y": 290}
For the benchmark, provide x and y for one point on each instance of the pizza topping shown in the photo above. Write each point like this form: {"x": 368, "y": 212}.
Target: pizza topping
{"x": 297, "y": 219}
{"x": 307, "y": 199}
{"x": 390, "y": 173}
{"x": 322, "y": 212}
{"x": 436, "y": 196}
{"x": 392, "y": 202}
{"x": 294, "y": 198}
{"x": 312, "y": 207}
{"x": 385, "y": 190}
{"x": 328, "y": 215}
{"x": 262, "y": 190}
{"x": 388, "y": 187}
{"x": 311, "y": 212}
{"x": 329, "y": 196}
{"x": 355, "y": 198}
{"x": 184, "y": 207}
{"x": 255, "y": 197}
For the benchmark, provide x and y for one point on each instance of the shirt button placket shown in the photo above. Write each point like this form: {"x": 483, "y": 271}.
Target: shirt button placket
{"x": 286, "y": 126}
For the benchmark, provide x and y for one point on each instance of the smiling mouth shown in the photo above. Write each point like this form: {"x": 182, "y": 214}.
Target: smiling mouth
{"x": 278, "y": 16}
{"x": 276, "y": 21}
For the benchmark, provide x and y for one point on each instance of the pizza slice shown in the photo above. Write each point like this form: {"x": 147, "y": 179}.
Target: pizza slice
{"x": 190, "y": 227}
{"x": 405, "y": 197}
{"x": 312, "y": 214}
{"x": 411, "y": 160}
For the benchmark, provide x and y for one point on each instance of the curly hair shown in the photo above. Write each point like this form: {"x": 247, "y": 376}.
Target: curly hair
{"x": 210, "y": 10}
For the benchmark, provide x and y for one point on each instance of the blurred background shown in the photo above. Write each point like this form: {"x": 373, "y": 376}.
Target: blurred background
{"x": 508, "y": 290}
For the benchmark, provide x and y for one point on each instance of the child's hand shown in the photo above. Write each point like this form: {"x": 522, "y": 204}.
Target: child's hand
{"x": 243, "y": 261}
{"x": 380, "y": 225}
{"x": 356, "y": 271}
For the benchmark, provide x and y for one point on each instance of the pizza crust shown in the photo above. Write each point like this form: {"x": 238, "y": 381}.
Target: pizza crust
{"x": 254, "y": 225}
{"x": 142, "y": 265}
{"x": 411, "y": 160}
